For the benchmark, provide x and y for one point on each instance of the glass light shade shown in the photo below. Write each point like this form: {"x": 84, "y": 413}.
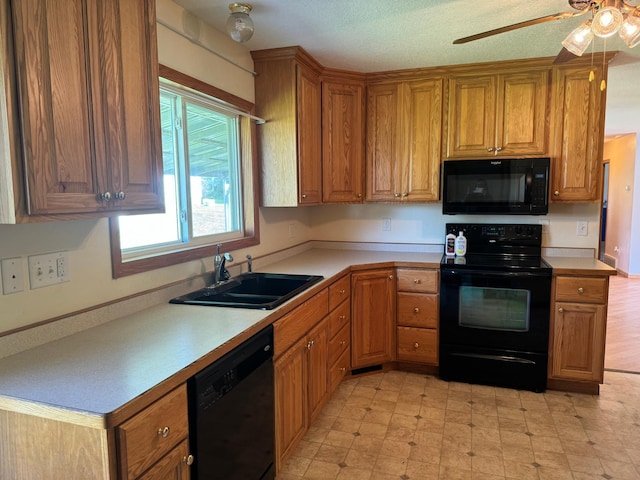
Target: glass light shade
{"x": 607, "y": 22}
{"x": 239, "y": 24}
{"x": 578, "y": 40}
{"x": 630, "y": 30}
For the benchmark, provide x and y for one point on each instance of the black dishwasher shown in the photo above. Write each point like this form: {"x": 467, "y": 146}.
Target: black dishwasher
{"x": 231, "y": 414}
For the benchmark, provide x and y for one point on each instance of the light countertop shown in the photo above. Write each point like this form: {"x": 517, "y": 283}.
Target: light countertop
{"x": 96, "y": 372}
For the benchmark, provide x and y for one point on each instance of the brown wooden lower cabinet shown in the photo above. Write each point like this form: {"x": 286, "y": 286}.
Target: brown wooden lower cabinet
{"x": 173, "y": 466}
{"x": 373, "y": 312}
{"x": 417, "y": 345}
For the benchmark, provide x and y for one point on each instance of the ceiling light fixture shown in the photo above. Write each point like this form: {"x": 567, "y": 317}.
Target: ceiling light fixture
{"x": 609, "y": 17}
{"x": 239, "y": 24}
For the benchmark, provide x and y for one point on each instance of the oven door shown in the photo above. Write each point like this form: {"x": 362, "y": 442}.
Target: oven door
{"x": 495, "y": 309}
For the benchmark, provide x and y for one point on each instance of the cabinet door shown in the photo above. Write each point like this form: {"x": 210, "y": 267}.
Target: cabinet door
{"x": 318, "y": 368}
{"x": 578, "y": 133}
{"x": 471, "y": 116}
{"x": 342, "y": 142}
{"x": 55, "y": 105}
{"x": 522, "y": 113}
{"x": 373, "y": 317}
{"x": 578, "y": 342}
{"x": 382, "y": 149}
{"x": 309, "y": 136}
{"x": 291, "y": 399}
{"x": 173, "y": 466}
{"x": 126, "y": 103}
{"x": 421, "y": 119}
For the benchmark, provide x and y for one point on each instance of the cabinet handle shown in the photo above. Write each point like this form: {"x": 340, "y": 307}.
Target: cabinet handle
{"x": 343, "y": 342}
{"x": 404, "y": 194}
{"x": 490, "y": 149}
{"x": 342, "y": 292}
{"x": 304, "y": 195}
{"x": 417, "y": 281}
{"x": 498, "y": 149}
{"x": 560, "y": 309}
{"x": 342, "y": 369}
{"x": 416, "y": 310}
{"x": 359, "y": 195}
{"x": 556, "y": 193}
{"x": 119, "y": 195}
{"x": 396, "y": 195}
{"x": 188, "y": 460}
{"x": 106, "y": 196}
{"x": 580, "y": 290}
{"x": 342, "y": 317}
{"x": 390, "y": 277}
{"x": 416, "y": 345}
{"x": 163, "y": 432}
{"x": 310, "y": 344}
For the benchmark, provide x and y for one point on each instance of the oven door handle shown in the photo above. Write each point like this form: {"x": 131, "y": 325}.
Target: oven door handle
{"x": 500, "y": 358}
{"x": 491, "y": 273}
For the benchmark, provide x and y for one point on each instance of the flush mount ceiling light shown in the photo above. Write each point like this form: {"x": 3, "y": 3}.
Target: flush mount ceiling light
{"x": 239, "y": 23}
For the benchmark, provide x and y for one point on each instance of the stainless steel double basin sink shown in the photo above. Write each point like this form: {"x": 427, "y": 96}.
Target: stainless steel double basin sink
{"x": 263, "y": 291}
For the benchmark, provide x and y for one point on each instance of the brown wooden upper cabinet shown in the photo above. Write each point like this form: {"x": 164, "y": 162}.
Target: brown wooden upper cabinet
{"x": 342, "y": 139}
{"x": 87, "y": 85}
{"x": 503, "y": 114}
{"x": 404, "y": 125}
{"x": 288, "y": 96}
{"x": 578, "y": 119}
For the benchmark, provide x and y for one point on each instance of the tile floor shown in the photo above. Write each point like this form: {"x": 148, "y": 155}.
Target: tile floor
{"x": 405, "y": 426}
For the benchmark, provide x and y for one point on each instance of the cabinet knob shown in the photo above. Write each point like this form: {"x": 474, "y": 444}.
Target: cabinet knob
{"x": 498, "y": 149}
{"x": 404, "y": 194}
{"x": 342, "y": 317}
{"x": 416, "y": 345}
{"x": 304, "y": 195}
{"x": 396, "y": 195}
{"x": 560, "y": 310}
{"x": 342, "y": 369}
{"x": 580, "y": 290}
{"x": 359, "y": 195}
{"x": 188, "y": 459}
{"x": 310, "y": 344}
{"x": 390, "y": 277}
{"x": 490, "y": 149}
{"x": 119, "y": 195}
{"x": 106, "y": 196}
{"x": 416, "y": 310}
{"x": 342, "y": 292}
{"x": 343, "y": 342}
{"x": 556, "y": 193}
{"x": 163, "y": 432}
{"x": 417, "y": 281}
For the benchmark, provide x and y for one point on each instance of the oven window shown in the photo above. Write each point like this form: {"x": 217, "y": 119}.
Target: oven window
{"x": 494, "y": 308}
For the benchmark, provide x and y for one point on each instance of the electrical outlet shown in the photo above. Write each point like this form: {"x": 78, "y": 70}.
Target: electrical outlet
{"x": 48, "y": 269}
{"x": 581, "y": 228}
{"x": 386, "y": 224}
{"x": 12, "y": 276}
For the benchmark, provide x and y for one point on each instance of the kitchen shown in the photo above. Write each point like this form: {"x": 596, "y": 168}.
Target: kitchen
{"x": 88, "y": 245}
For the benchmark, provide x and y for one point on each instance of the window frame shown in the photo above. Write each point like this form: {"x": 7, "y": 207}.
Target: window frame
{"x": 249, "y": 186}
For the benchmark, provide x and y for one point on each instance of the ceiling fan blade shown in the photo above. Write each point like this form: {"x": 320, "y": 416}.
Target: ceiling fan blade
{"x": 564, "y": 56}
{"x": 515, "y": 26}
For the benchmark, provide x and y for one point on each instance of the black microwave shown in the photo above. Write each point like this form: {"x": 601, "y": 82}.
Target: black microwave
{"x": 511, "y": 186}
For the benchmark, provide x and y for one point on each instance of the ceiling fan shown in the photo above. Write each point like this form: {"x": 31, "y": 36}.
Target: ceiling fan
{"x": 607, "y": 18}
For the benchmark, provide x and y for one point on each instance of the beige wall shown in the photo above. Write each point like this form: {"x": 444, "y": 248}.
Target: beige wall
{"x": 87, "y": 241}
{"x": 621, "y": 154}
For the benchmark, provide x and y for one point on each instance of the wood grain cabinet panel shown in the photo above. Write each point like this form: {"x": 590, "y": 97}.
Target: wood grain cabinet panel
{"x": 404, "y": 127}
{"x": 373, "y": 317}
{"x": 87, "y": 75}
{"x": 288, "y": 95}
{"x": 491, "y": 114}
{"x": 174, "y": 465}
{"x": 342, "y": 141}
{"x": 578, "y": 134}
{"x": 418, "y": 345}
{"x": 418, "y": 310}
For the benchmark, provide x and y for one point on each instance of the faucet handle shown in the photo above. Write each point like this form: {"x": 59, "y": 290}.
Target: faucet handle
{"x": 250, "y": 262}
{"x": 218, "y": 248}
{"x": 228, "y": 257}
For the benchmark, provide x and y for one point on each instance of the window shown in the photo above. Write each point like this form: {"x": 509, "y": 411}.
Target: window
{"x": 208, "y": 181}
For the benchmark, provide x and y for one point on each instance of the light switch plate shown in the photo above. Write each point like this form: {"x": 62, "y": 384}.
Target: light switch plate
{"x": 48, "y": 269}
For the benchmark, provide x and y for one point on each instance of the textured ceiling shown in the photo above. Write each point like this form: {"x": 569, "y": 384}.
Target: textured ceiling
{"x": 378, "y": 35}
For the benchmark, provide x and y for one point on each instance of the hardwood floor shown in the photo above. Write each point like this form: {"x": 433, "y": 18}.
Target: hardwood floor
{"x": 623, "y": 325}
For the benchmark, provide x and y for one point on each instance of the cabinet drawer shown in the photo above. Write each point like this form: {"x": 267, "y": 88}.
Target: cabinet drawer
{"x": 582, "y": 289}
{"x": 417, "y": 310}
{"x": 418, "y": 345}
{"x": 151, "y": 434}
{"x": 339, "y": 291}
{"x": 298, "y": 322}
{"x": 339, "y": 343}
{"x": 339, "y": 318}
{"x": 338, "y": 370}
{"x": 416, "y": 280}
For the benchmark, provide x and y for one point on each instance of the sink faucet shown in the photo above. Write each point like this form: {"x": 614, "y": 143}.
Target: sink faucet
{"x": 220, "y": 273}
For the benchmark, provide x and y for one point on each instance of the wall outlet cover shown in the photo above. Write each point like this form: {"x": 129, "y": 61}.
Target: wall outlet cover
{"x": 12, "y": 275}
